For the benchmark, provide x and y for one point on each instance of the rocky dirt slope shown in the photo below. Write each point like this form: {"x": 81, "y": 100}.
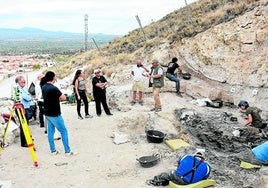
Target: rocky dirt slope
{"x": 230, "y": 60}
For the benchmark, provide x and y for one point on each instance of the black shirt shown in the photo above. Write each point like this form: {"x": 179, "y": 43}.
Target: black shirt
{"x": 98, "y": 90}
{"x": 172, "y": 67}
{"x": 51, "y": 95}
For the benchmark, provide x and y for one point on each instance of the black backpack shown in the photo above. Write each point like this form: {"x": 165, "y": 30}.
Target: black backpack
{"x": 31, "y": 89}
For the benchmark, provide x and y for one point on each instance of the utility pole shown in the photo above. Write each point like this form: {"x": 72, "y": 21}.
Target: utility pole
{"x": 138, "y": 19}
{"x": 97, "y": 47}
{"x": 86, "y": 31}
{"x": 189, "y": 10}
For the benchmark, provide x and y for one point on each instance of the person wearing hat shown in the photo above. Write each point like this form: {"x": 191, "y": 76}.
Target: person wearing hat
{"x": 253, "y": 115}
{"x": 99, "y": 84}
{"x": 170, "y": 74}
{"x": 156, "y": 80}
{"x": 191, "y": 168}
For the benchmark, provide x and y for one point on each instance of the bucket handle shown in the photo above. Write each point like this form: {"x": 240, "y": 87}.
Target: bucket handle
{"x": 157, "y": 155}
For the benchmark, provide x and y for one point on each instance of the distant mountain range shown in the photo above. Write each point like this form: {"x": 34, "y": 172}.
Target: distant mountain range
{"x": 33, "y": 40}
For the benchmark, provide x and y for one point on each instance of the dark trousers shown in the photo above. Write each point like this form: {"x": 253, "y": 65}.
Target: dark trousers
{"x": 176, "y": 179}
{"x": 259, "y": 125}
{"x": 101, "y": 99}
{"x": 22, "y": 136}
{"x": 164, "y": 178}
{"x": 41, "y": 113}
{"x": 83, "y": 97}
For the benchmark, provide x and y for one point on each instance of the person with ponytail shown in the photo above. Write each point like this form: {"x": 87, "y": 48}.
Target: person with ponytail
{"x": 80, "y": 89}
{"x": 52, "y": 97}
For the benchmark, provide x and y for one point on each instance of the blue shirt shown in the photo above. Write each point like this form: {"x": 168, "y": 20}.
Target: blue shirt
{"x": 26, "y": 98}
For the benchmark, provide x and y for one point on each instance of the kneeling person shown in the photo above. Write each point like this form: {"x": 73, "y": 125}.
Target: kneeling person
{"x": 191, "y": 169}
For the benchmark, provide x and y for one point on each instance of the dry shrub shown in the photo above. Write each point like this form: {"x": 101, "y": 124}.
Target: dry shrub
{"x": 109, "y": 71}
{"x": 88, "y": 71}
{"x": 122, "y": 58}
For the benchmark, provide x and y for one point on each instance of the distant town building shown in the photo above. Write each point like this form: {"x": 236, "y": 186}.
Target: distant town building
{"x": 51, "y": 64}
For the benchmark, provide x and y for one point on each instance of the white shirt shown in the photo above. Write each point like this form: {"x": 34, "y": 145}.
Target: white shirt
{"x": 138, "y": 71}
{"x": 38, "y": 91}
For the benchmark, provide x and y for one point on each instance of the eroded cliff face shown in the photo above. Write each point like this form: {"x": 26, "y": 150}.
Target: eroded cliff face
{"x": 235, "y": 52}
{"x": 229, "y": 60}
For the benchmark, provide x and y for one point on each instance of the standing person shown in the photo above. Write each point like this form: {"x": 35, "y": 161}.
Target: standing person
{"x": 99, "y": 93}
{"x": 40, "y": 100}
{"x": 138, "y": 71}
{"x": 52, "y": 97}
{"x": 253, "y": 115}
{"x": 170, "y": 74}
{"x": 25, "y": 99}
{"x": 43, "y": 82}
{"x": 157, "y": 82}
{"x": 79, "y": 83}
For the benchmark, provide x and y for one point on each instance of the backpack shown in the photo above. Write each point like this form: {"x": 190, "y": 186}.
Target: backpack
{"x": 31, "y": 89}
{"x": 192, "y": 169}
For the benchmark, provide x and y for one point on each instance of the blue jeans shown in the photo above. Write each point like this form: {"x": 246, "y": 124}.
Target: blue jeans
{"x": 173, "y": 78}
{"x": 58, "y": 123}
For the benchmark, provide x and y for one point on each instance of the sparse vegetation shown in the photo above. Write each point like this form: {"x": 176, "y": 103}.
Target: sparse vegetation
{"x": 183, "y": 23}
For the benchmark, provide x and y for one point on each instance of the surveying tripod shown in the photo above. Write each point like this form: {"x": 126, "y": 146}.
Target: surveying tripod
{"x": 20, "y": 111}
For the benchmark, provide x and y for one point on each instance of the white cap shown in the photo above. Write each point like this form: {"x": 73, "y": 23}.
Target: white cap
{"x": 96, "y": 70}
{"x": 200, "y": 153}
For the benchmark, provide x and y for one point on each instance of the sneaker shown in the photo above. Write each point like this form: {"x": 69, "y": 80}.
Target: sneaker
{"x": 88, "y": 116}
{"x": 132, "y": 103}
{"x": 80, "y": 117}
{"x": 153, "y": 109}
{"x": 110, "y": 114}
{"x": 158, "y": 109}
{"x": 55, "y": 152}
{"x": 71, "y": 153}
{"x": 141, "y": 103}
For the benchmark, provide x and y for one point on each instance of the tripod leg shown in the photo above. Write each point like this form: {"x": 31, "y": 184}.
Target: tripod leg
{"x": 26, "y": 131}
{"x": 6, "y": 129}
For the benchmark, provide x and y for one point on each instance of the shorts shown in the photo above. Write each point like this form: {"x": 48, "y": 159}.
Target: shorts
{"x": 137, "y": 86}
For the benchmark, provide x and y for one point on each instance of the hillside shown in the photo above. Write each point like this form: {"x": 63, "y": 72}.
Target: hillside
{"x": 213, "y": 40}
{"x": 223, "y": 44}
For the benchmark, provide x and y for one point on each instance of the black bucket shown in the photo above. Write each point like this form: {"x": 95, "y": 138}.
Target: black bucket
{"x": 149, "y": 161}
{"x": 154, "y": 136}
{"x": 186, "y": 76}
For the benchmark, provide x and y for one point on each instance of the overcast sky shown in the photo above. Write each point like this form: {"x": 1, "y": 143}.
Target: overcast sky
{"x": 104, "y": 16}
